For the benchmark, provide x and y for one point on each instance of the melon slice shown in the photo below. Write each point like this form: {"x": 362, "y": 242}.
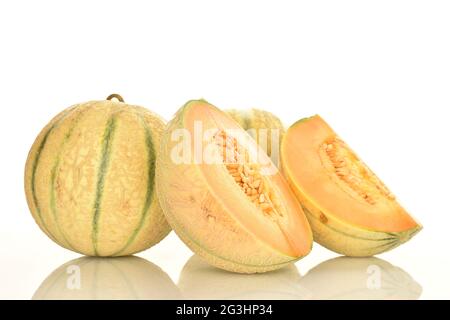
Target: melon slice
{"x": 224, "y": 197}
{"x": 349, "y": 209}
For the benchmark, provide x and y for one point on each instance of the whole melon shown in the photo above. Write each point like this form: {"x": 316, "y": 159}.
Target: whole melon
{"x": 90, "y": 178}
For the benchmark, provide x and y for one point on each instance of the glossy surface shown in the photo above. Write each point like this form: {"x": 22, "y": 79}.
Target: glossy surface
{"x": 158, "y": 274}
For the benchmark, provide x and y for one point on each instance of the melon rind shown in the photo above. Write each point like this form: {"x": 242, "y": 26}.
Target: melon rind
{"x": 351, "y": 240}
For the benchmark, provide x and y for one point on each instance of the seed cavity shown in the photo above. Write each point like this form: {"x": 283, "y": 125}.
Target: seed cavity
{"x": 247, "y": 175}
{"x": 355, "y": 173}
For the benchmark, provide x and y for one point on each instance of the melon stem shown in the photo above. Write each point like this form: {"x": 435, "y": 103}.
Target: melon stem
{"x": 115, "y": 96}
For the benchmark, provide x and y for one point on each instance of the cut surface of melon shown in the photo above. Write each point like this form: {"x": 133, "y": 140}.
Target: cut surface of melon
{"x": 232, "y": 204}
{"x": 340, "y": 193}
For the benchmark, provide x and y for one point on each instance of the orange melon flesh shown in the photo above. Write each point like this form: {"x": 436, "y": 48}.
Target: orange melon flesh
{"x": 290, "y": 234}
{"x": 364, "y": 202}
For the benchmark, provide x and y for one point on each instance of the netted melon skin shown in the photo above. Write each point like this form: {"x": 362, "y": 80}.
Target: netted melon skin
{"x": 89, "y": 179}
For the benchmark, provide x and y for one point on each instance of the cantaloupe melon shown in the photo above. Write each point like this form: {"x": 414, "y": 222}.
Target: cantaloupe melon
{"x": 93, "y": 278}
{"x": 224, "y": 197}
{"x": 350, "y": 210}
{"x": 89, "y": 179}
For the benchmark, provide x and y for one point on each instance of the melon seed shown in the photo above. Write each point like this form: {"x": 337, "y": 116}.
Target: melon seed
{"x": 354, "y": 173}
{"x": 246, "y": 175}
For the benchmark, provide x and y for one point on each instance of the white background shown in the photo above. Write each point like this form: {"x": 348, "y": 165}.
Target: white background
{"x": 377, "y": 71}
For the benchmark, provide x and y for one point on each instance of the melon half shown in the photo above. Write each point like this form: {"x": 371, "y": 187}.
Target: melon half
{"x": 224, "y": 197}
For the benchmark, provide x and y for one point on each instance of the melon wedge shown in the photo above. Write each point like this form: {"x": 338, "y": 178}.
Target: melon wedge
{"x": 349, "y": 209}
{"x": 224, "y": 197}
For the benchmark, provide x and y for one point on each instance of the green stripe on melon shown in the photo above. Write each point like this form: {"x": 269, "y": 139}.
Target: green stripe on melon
{"x": 54, "y": 171}
{"x": 106, "y": 150}
{"x": 151, "y": 152}
{"x": 89, "y": 179}
{"x": 32, "y": 165}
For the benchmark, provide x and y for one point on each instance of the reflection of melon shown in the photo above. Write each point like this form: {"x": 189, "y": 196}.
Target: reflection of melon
{"x": 350, "y": 210}
{"x": 360, "y": 278}
{"x": 265, "y": 127}
{"x": 89, "y": 179}
{"x": 199, "y": 281}
{"x": 107, "y": 278}
{"x": 235, "y": 209}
